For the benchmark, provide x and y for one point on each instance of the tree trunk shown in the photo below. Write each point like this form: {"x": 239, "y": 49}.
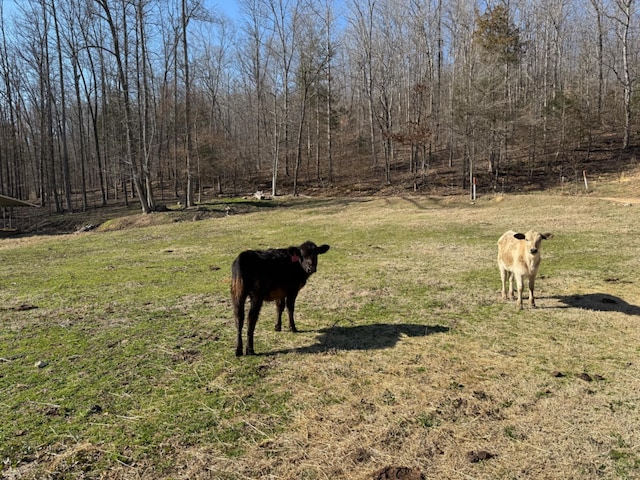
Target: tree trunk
{"x": 132, "y": 158}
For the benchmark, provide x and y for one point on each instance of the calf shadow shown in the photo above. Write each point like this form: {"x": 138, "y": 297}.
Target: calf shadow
{"x": 364, "y": 337}
{"x": 599, "y": 302}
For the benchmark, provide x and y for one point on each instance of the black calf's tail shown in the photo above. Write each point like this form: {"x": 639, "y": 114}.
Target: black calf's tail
{"x": 236, "y": 289}
{"x": 237, "y": 285}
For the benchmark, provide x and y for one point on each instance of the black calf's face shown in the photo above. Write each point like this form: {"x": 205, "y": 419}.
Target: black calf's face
{"x": 307, "y": 255}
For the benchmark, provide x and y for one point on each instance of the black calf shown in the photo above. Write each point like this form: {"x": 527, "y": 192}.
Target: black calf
{"x": 270, "y": 275}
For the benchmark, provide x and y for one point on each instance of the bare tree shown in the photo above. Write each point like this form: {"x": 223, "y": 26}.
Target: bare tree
{"x": 144, "y": 101}
{"x": 625, "y": 71}
{"x": 311, "y": 62}
{"x": 187, "y": 103}
{"x": 362, "y": 18}
{"x": 284, "y": 16}
{"x": 330, "y": 51}
{"x": 254, "y": 59}
{"x": 62, "y": 105}
{"x": 38, "y": 54}
{"x": 10, "y": 152}
{"x": 599, "y": 11}
{"x": 501, "y": 50}
{"x": 121, "y": 56}
{"x": 462, "y": 94}
{"x": 90, "y": 76}
{"x": 70, "y": 16}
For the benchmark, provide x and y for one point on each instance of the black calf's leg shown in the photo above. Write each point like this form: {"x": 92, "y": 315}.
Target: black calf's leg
{"x": 238, "y": 311}
{"x": 291, "y": 306}
{"x": 254, "y": 311}
{"x": 279, "y": 309}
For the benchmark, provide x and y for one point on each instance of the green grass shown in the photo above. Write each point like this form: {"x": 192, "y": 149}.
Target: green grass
{"x": 406, "y": 355}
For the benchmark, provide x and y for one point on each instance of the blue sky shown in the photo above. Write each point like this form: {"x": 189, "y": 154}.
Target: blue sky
{"x": 229, "y": 7}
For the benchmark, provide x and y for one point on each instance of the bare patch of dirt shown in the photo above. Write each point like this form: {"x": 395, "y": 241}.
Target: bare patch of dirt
{"x": 479, "y": 456}
{"x": 398, "y": 473}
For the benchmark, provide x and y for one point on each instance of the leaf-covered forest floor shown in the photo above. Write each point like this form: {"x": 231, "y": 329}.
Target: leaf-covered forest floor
{"x": 603, "y": 171}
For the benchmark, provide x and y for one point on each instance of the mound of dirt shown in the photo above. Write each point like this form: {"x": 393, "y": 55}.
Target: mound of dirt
{"x": 134, "y": 221}
{"x": 398, "y": 473}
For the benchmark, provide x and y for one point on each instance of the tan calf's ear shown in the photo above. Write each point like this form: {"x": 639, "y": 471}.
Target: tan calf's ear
{"x": 547, "y": 236}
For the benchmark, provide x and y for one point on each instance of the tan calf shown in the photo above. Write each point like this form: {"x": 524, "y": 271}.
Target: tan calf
{"x": 519, "y": 257}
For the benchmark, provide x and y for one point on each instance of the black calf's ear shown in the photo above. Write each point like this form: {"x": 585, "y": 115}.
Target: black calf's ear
{"x": 547, "y": 236}
{"x": 519, "y": 236}
{"x": 323, "y": 249}
{"x": 295, "y": 253}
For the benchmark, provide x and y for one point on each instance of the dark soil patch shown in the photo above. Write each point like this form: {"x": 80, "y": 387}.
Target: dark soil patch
{"x": 398, "y": 473}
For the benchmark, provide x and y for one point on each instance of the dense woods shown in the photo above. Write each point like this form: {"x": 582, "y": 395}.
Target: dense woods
{"x": 156, "y": 100}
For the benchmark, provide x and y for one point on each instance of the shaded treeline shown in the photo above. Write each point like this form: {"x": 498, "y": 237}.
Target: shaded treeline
{"x": 159, "y": 99}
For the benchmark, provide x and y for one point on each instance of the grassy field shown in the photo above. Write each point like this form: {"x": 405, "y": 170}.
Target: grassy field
{"x": 117, "y": 347}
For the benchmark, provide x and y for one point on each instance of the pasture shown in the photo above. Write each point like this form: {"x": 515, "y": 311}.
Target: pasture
{"x": 117, "y": 347}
